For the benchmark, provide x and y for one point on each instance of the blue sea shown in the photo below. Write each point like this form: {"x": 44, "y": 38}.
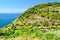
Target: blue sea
{"x": 6, "y": 18}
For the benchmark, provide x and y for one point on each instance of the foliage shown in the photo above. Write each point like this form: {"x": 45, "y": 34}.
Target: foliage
{"x": 33, "y": 21}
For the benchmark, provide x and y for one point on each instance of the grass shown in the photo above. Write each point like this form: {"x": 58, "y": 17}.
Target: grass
{"x": 40, "y": 22}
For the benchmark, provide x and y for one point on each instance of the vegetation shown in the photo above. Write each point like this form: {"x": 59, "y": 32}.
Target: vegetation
{"x": 41, "y": 22}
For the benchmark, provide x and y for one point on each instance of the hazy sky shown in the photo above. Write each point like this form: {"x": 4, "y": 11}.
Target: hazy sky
{"x": 18, "y": 6}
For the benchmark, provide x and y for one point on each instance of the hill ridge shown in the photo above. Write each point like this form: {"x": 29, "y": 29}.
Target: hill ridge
{"x": 40, "y": 18}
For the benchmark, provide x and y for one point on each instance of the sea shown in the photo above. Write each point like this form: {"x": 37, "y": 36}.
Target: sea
{"x": 6, "y": 18}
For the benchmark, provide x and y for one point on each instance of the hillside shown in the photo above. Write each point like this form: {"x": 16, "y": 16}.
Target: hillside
{"x": 41, "y": 22}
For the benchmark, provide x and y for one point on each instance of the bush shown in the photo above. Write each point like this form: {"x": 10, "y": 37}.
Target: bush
{"x": 45, "y": 23}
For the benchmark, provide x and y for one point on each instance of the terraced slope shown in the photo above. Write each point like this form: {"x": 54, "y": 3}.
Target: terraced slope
{"x": 41, "y": 22}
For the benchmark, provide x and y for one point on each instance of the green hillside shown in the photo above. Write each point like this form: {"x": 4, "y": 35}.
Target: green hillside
{"x": 41, "y": 22}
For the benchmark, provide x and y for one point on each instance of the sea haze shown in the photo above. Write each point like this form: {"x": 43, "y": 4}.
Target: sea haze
{"x": 6, "y": 18}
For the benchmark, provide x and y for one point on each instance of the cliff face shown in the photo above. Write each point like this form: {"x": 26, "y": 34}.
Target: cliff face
{"x": 42, "y": 17}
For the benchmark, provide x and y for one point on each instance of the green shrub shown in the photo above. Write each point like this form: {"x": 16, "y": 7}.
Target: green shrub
{"x": 45, "y": 23}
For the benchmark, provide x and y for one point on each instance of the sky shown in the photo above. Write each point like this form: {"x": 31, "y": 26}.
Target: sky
{"x": 19, "y": 6}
